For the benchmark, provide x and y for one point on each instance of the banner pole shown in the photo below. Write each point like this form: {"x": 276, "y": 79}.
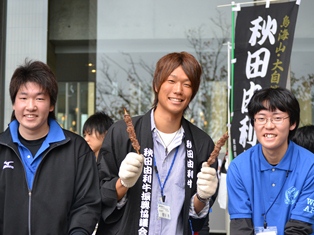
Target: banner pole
{"x": 229, "y": 87}
{"x": 232, "y": 77}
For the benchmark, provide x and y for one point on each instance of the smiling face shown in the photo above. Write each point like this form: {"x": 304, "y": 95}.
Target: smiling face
{"x": 31, "y": 108}
{"x": 175, "y": 93}
{"x": 273, "y": 137}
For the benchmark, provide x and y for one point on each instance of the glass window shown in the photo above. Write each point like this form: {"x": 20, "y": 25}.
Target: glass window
{"x": 116, "y": 44}
{"x": 75, "y": 103}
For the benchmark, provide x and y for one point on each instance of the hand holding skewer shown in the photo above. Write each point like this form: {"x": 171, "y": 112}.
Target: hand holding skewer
{"x": 207, "y": 180}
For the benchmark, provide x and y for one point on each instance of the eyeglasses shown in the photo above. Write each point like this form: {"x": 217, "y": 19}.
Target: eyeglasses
{"x": 275, "y": 120}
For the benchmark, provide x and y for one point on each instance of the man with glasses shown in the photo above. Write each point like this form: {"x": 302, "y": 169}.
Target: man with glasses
{"x": 271, "y": 185}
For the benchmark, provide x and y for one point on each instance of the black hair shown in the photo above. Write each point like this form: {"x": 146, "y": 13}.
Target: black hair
{"x": 304, "y": 136}
{"x": 99, "y": 122}
{"x": 272, "y": 99}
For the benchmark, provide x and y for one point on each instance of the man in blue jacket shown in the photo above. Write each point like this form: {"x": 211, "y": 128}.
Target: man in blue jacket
{"x": 49, "y": 181}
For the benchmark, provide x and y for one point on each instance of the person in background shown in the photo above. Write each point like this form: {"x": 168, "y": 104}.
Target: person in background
{"x": 168, "y": 187}
{"x": 270, "y": 185}
{"x": 304, "y": 136}
{"x": 49, "y": 180}
{"x": 95, "y": 129}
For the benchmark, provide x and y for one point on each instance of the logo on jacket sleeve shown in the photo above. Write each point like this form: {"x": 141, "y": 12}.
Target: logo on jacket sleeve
{"x": 8, "y": 164}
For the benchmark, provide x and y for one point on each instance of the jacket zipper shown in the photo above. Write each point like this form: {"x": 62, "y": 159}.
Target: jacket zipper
{"x": 30, "y": 190}
{"x": 29, "y": 211}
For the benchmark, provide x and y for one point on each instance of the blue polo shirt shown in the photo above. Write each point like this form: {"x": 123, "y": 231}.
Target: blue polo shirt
{"x": 29, "y": 161}
{"x": 283, "y": 192}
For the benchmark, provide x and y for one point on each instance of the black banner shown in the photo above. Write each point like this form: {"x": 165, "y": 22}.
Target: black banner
{"x": 263, "y": 44}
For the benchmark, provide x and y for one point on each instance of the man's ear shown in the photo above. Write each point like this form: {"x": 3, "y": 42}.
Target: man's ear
{"x": 52, "y": 107}
{"x": 292, "y": 127}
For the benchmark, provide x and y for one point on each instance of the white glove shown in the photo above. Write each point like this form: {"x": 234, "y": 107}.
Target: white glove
{"x": 131, "y": 169}
{"x": 207, "y": 181}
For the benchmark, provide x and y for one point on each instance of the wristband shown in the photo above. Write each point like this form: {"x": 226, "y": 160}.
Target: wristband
{"x": 203, "y": 200}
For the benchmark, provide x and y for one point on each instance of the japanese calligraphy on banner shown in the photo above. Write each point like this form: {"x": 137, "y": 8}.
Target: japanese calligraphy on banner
{"x": 263, "y": 44}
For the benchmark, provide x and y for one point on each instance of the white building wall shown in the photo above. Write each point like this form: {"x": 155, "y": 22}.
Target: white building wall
{"x": 27, "y": 22}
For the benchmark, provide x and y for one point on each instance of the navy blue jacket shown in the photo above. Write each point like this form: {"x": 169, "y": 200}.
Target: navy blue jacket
{"x": 65, "y": 193}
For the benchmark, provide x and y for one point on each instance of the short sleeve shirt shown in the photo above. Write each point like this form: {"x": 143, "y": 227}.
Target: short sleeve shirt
{"x": 282, "y": 192}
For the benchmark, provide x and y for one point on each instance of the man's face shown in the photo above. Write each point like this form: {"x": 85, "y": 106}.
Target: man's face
{"x": 175, "y": 93}
{"x": 273, "y": 137}
{"x": 94, "y": 140}
{"x": 32, "y": 107}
